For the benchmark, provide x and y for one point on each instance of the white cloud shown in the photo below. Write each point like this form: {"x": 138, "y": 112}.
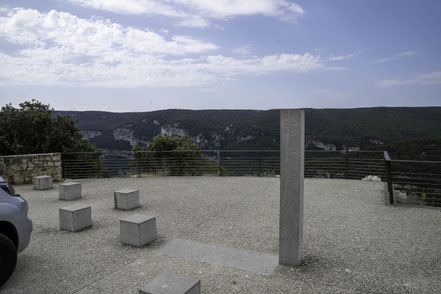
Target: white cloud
{"x": 408, "y": 53}
{"x": 131, "y": 6}
{"x": 58, "y": 48}
{"x": 194, "y": 22}
{"x": 344, "y": 57}
{"x": 397, "y": 56}
{"x": 243, "y": 50}
{"x": 433, "y": 78}
{"x": 194, "y": 13}
{"x": 229, "y": 8}
{"x": 90, "y": 37}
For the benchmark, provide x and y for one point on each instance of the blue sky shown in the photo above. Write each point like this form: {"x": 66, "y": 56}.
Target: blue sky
{"x": 142, "y": 55}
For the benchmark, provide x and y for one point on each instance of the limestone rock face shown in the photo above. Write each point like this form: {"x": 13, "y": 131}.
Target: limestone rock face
{"x": 326, "y": 147}
{"x": 172, "y": 131}
{"x": 91, "y": 134}
{"x": 124, "y": 134}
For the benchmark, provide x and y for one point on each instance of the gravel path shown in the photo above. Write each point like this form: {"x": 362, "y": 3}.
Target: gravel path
{"x": 353, "y": 242}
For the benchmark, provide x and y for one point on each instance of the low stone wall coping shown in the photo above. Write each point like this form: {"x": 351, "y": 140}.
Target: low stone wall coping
{"x": 30, "y": 155}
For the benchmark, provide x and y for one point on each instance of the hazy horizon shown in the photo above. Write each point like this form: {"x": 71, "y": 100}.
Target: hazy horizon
{"x": 233, "y": 109}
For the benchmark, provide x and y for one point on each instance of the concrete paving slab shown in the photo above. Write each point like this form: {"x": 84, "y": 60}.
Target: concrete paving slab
{"x": 252, "y": 261}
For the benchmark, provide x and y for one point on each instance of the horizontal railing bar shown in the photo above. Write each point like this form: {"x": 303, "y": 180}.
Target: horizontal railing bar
{"x": 416, "y": 183}
{"x": 416, "y": 161}
{"x": 422, "y": 174}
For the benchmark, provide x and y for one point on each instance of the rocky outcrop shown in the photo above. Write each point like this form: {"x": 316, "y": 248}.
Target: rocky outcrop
{"x": 123, "y": 134}
{"x": 90, "y": 134}
{"x": 376, "y": 141}
{"x": 218, "y": 139}
{"x": 20, "y": 169}
{"x": 326, "y": 147}
{"x": 351, "y": 148}
{"x": 230, "y": 130}
{"x": 200, "y": 140}
{"x": 247, "y": 138}
{"x": 172, "y": 131}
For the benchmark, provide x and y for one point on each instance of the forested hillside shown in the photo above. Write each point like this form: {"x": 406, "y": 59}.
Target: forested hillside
{"x": 364, "y": 128}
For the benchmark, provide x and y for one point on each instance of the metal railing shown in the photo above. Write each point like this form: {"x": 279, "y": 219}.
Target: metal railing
{"x": 413, "y": 181}
{"x": 344, "y": 164}
{"x": 319, "y": 164}
{"x": 408, "y": 181}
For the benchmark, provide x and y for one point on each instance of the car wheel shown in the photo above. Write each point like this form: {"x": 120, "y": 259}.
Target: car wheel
{"x": 8, "y": 258}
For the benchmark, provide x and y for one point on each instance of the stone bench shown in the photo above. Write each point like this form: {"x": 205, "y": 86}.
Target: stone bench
{"x": 70, "y": 191}
{"x": 126, "y": 199}
{"x": 138, "y": 230}
{"x": 75, "y": 217}
{"x": 169, "y": 283}
{"x": 42, "y": 182}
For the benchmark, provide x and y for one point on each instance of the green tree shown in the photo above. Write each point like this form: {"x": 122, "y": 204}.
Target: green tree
{"x": 32, "y": 128}
{"x": 168, "y": 155}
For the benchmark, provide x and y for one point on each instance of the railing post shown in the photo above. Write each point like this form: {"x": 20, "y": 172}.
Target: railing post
{"x": 137, "y": 155}
{"x": 260, "y": 163}
{"x": 219, "y": 172}
{"x": 98, "y": 164}
{"x": 346, "y": 163}
{"x": 63, "y": 176}
{"x": 388, "y": 165}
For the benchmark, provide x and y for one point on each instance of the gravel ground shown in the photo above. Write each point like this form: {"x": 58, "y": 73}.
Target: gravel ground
{"x": 353, "y": 242}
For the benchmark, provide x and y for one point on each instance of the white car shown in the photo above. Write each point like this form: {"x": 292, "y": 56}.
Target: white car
{"x": 15, "y": 229}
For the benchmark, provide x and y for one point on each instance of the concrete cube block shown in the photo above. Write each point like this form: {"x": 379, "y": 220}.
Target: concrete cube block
{"x": 70, "y": 191}
{"x": 42, "y": 182}
{"x": 126, "y": 199}
{"x": 169, "y": 283}
{"x": 75, "y": 217}
{"x": 138, "y": 230}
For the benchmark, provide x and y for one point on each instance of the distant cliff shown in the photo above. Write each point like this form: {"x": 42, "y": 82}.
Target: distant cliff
{"x": 326, "y": 129}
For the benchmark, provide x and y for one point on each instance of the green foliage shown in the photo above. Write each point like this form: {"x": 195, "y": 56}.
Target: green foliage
{"x": 84, "y": 165}
{"x": 350, "y": 127}
{"x": 428, "y": 149}
{"x": 32, "y": 129}
{"x": 167, "y": 155}
{"x": 171, "y": 156}
{"x": 211, "y": 168}
{"x": 164, "y": 143}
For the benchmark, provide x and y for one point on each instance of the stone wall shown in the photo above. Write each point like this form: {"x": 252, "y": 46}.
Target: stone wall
{"x": 19, "y": 169}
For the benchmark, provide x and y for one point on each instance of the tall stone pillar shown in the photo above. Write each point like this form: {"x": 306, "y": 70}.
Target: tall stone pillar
{"x": 292, "y": 157}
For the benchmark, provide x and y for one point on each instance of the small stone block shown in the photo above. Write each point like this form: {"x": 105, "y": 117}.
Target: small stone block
{"x": 75, "y": 217}
{"x": 169, "y": 283}
{"x": 126, "y": 199}
{"x": 70, "y": 191}
{"x": 42, "y": 182}
{"x": 138, "y": 230}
